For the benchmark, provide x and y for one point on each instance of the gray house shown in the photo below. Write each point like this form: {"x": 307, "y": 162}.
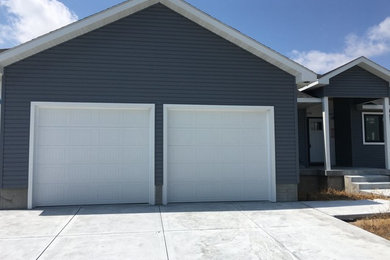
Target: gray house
{"x": 157, "y": 102}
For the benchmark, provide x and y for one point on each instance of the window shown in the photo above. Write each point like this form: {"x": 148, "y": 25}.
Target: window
{"x": 373, "y": 128}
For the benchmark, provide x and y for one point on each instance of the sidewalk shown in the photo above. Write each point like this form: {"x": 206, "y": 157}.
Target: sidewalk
{"x": 347, "y": 209}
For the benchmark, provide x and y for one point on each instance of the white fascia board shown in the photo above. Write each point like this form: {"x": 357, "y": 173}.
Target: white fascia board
{"x": 302, "y": 74}
{"x": 372, "y": 107}
{"x": 362, "y": 62}
{"x": 73, "y": 30}
{"x": 309, "y": 100}
{"x": 313, "y": 85}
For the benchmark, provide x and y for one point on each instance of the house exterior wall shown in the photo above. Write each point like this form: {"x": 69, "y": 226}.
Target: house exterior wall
{"x": 154, "y": 56}
{"x": 364, "y": 155}
{"x": 354, "y": 83}
{"x": 349, "y": 149}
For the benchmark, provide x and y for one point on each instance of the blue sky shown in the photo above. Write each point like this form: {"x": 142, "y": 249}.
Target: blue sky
{"x": 318, "y": 34}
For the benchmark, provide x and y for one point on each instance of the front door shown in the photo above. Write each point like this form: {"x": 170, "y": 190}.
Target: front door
{"x": 316, "y": 141}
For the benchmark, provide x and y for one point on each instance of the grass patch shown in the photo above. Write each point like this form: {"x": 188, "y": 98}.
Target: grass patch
{"x": 378, "y": 224}
{"x": 332, "y": 194}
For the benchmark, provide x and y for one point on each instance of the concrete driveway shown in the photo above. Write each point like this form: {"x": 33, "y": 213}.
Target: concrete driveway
{"x": 253, "y": 230}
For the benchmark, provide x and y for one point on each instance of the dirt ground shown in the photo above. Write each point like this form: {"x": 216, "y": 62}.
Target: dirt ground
{"x": 332, "y": 194}
{"x": 379, "y": 225}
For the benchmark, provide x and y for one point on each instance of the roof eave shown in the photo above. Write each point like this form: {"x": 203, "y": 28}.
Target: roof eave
{"x": 303, "y": 75}
{"x": 72, "y": 30}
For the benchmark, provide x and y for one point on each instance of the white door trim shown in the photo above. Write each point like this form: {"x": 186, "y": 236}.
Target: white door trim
{"x": 271, "y": 139}
{"x": 33, "y": 114}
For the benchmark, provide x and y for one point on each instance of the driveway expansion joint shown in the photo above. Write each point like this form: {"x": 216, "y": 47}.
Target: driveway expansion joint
{"x": 163, "y": 232}
{"x": 62, "y": 229}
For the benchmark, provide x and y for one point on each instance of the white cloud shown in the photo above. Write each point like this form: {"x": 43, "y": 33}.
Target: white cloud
{"x": 28, "y": 19}
{"x": 375, "y": 42}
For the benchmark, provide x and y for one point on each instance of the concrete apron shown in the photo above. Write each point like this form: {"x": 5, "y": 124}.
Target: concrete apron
{"x": 252, "y": 230}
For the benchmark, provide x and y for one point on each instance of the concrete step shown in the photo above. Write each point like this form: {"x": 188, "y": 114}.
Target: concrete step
{"x": 373, "y": 185}
{"x": 369, "y": 178}
{"x": 356, "y": 171}
{"x": 383, "y": 192}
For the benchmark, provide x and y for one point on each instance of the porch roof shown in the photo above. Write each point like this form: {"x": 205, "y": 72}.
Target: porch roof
{"x": 362, "y": 62}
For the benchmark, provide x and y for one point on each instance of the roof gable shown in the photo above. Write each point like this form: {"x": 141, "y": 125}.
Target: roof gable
{"x": 302, "y": 74}
{"x": 361, "y": 62}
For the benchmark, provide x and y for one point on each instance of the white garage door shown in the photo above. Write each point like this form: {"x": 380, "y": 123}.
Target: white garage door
{"x": 91, "y": 154}
{"x": 219, "y": 153}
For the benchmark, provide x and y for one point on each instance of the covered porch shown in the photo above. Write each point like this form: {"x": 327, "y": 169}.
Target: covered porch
{"x": 344, "y": 125}
{"x": 336, "y": 134}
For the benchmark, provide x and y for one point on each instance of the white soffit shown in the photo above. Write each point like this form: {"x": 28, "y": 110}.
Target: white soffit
{"x": 302, "y": 74}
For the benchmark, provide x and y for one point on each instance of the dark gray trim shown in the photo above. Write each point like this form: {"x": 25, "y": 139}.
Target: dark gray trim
{"x": 303, "y": 138}
{"x": 342, "y": 123}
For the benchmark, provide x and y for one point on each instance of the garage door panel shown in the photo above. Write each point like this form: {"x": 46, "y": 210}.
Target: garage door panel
{"x": 136, "y": 136}
{"x": 181, "y": 154}
{"x": 229, "y": 154}
{"x": 231, "y": 136}
{"x": 183, "y": 172}
{"x": 82, "y": 154}
{"x": 92, "y": 155}
{"x": 181, "y": 136}
{"x": 82, "y": 136}
{"x": 53, "y": 174}
{"x": 251, "y": 170}
{"x": 53, "y": 136}
{"x": 205, "y": 154}
{"x": 207, "y": 172}
{"x": 230, "y": 171}
{"x": 254, "y": 153}
{"x": 135, "y": 118}
{"x": 207, "y": 136}
{"x": 53, "y": 117}
{"x": 184, "y": 119}
{"x": 183, "y": 191}
{"x": 252, "y": 190}
{"x": 207, "y": 118}
{"x": 110, "y": 136}
{"x": 254, "y": 120}
{"x": 230, "y": 119}
{"x": 49, "y": 193}
{"x": 229, "y": 149}
{"x": 51, "y": 155}
{"x": 83, "y": 117}
{"x": 254, "y": 137}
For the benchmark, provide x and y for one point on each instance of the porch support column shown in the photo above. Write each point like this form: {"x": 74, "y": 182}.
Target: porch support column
{"x": 326, "y": 130}
{"x": 386, "y": 130}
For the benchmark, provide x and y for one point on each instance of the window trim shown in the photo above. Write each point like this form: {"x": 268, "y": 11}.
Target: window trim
{"x": 364, "y": 131}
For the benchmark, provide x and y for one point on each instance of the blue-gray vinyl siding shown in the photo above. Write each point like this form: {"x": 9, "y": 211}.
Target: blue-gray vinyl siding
{"x": 364, "y": 155}
{"x": 354, "y": 83}
{"x": 154, "y": 56}
{"x": 349, "y": 148}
